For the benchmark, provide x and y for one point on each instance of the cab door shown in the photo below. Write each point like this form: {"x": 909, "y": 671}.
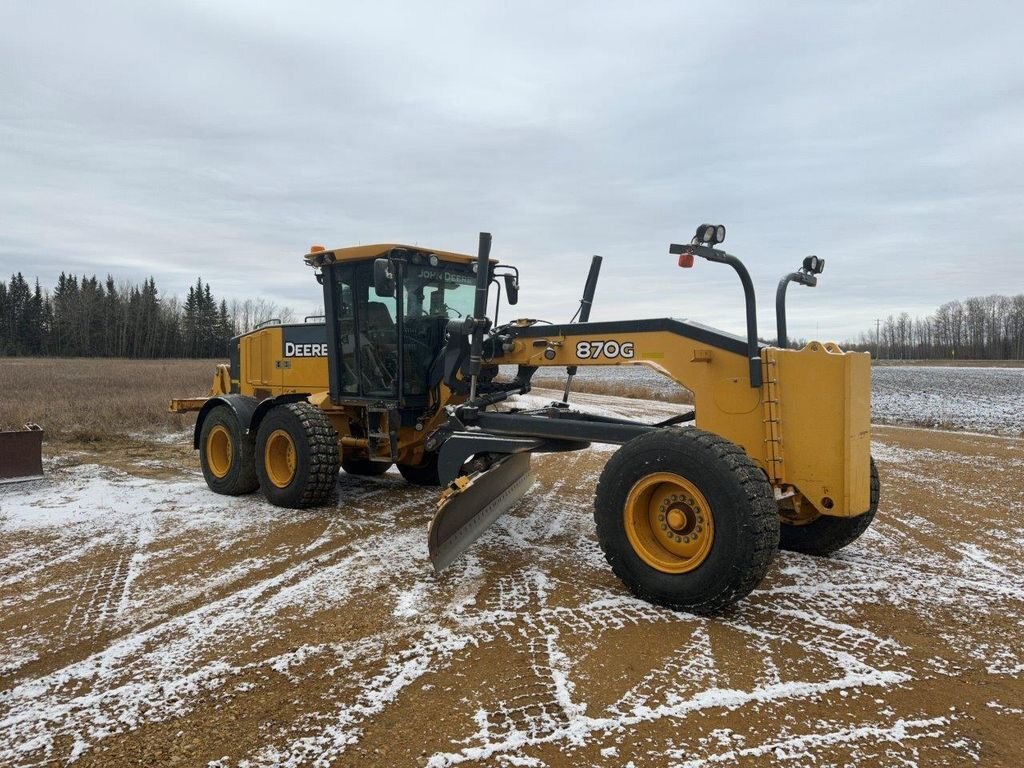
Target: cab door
{"x": 363, "y": 332}
{"x": 340, "y": 293}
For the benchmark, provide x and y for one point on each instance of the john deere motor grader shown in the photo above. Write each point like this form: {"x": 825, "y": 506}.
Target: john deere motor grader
{"x": 403, "y": 370}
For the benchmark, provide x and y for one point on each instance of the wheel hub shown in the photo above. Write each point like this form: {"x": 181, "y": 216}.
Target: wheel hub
{"x": 279, "y": 458}
{"x": 218, "y": 452}
{"x": 669, "y": 522}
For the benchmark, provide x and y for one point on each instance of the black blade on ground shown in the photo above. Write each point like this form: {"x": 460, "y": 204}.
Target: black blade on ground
{"x": 21, "y": 455}
{"x": 467, "y": 513}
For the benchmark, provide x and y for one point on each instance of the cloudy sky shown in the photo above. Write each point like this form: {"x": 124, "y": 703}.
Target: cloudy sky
{"x": 222, "y": 138}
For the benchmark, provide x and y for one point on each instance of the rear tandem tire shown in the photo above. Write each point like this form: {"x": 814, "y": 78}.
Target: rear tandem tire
{"x": 827, "y": 535}
{"x": 422, "y": 474}
{"x": 226, "y": 455}
{"x": 297, "y": 456}
{"x": 674, "y": 486}
{"x": 365, "y": 467}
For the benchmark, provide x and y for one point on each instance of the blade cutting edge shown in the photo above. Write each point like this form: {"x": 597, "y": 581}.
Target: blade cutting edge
{"x": 469, "y": 507}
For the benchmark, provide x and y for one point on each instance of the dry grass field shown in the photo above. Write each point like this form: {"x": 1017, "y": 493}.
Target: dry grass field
{"x": 95, "y": 400}
{"x": 101, "y": 400}
{"x": 106, "y": 401}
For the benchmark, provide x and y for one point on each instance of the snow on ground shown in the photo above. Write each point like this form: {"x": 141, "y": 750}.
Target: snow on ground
{"x": 976, "y": 399}
{"x": 148, "y": 619}
{"x": 599, "y": 405}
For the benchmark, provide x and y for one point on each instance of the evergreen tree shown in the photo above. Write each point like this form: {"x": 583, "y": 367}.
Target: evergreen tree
{"x": 84, "y": 316}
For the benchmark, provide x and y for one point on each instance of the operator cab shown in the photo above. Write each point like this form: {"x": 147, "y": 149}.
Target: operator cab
{"x": 387, "y": 310}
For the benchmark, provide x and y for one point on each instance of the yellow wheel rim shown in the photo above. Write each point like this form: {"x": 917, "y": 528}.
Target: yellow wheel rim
{"x": 218, "y": 451}
{"x": 279, "y": 458}
{"x": 669, "y": 523}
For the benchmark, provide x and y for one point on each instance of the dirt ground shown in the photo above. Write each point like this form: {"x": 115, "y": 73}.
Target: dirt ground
{"x": 147, "y": 621}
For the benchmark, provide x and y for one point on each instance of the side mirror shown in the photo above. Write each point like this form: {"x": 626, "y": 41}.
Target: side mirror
{"x": 383, "y": 278}
{"x": 512, "y": 288}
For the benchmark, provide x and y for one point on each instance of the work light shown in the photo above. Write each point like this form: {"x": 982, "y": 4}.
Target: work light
{"x": 814, "y": 265}
{"x": 709, "y": 234}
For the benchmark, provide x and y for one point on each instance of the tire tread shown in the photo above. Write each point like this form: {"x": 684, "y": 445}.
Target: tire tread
{"x": 763, "y": 518}
{"x": 827, "y": 535}
{"x": 321, "y": 443}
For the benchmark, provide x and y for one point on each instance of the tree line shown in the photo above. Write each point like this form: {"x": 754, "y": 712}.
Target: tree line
{"x": 88, "y": 317}
{"x": 978, "y": 328}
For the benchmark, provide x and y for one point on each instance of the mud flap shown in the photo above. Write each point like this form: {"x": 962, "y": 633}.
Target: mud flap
{"x": 470, "y": 504}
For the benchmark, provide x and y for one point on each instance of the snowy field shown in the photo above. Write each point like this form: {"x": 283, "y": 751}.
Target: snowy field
{"x": 148, "y": 621}
{"x": 947, "y": 397}
{"x": 975, "y": 399}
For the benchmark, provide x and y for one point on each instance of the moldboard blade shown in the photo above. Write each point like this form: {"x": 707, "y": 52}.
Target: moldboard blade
{"x": 469, "y": 507}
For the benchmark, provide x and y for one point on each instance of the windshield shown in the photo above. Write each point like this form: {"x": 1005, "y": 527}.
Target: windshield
{"x": 442, "y": 291}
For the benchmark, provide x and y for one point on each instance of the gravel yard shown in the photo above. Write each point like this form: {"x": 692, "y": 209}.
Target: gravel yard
{"x": 149, "y": 621}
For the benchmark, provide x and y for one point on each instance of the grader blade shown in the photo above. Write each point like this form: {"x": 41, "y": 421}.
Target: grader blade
{"x": 471, "y": 504}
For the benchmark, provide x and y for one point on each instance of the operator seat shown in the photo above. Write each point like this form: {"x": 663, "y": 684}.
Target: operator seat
{"x": 379, "y": 348}
{"x": 378, "y": 318}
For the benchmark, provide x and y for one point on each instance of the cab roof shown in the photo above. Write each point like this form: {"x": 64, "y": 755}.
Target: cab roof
{"x": 318, "y": 258}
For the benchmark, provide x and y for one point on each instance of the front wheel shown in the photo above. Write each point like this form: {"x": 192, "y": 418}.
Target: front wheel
{"x": 296, "y": 456}
{"x": 821, "y": 535}
{"x": 365, "y": 467}
{"x": 686, "y": 519}
{"x": 424, "y": 473}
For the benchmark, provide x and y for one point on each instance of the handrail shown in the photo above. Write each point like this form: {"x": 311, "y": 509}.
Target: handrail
{"x": 806, "y": 275}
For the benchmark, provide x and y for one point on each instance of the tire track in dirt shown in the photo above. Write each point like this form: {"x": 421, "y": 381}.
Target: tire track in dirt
{"x": 91, "y": 609}
{"x": 189, "y": 641}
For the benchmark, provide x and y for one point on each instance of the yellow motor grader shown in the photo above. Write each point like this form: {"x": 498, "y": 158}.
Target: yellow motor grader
{"x": 404, "y": 369}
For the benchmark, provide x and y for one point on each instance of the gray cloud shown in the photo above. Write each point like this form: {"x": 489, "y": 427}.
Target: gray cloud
{"x": 178, "y": 139}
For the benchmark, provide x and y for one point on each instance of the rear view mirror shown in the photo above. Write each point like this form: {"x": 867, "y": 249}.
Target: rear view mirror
{"x": 512, "y": 288}
{"x": 383, "y": 278}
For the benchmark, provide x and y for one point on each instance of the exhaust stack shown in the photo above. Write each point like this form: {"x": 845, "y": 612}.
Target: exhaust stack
{"x": 483, "y": 279}
{"x": 585, "y": 304}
